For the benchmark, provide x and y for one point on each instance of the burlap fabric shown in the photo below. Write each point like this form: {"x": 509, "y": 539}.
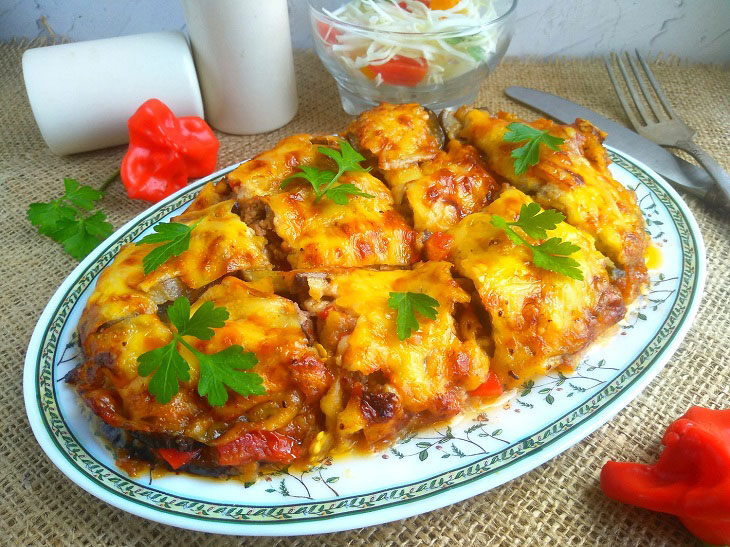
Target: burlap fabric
{"x": 559, "y": 503}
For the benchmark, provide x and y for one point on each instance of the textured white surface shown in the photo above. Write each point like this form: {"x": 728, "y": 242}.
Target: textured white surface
{"x": 696, "y": 30}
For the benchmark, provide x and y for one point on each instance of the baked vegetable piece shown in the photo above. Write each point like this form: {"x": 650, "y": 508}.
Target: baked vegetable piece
{"x": 230, "y": 439}
{"x": 220, "y": 243}
{"x": 453, "y": 185}
{"x": 539, "y": 319}
{"x": 576, "y": 181}
{"x": 305, "y": 231}
{"x": 261, "y": 175}
{"x": 396, "y": 138}
{"x": 436, "y": 187}
{"x": 383, "y": 383}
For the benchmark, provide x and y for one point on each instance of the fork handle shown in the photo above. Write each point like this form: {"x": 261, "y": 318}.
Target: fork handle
{"x": 713, "y": 168}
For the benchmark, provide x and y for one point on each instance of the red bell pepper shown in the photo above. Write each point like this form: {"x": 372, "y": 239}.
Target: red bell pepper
{"x": 438, "y": 246}
{"x": 328, "y": 33}
{"x": 690, "y": 480}
{"x": 165, "y": 151}
{"x": 176, "y": 458}
{"x": 401, "y": 70}
{"x": 258, "y": 446}
{"x": 491, "y": 388}
{"x": 404, "y": 6}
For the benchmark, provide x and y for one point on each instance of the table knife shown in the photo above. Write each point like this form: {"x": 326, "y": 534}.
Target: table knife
{"x": 687, "y": 176}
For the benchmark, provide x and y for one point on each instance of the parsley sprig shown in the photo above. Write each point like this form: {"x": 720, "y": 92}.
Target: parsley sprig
{"x": 529, "y": 153}
{"x": 176, "y": 239}
{"x": 323, "y": 180}
{"x": 217, "y": 370}
{"x": 69, "y": 221}
{"x": 552, "y": 254}
{"x": 407, "y": 304}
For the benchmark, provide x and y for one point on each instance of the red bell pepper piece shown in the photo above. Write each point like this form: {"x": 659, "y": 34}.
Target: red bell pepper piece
{"x": 404, "y": 6}
{"x": 491, "y": 388}
{"x": 690, "y": 480}
{"x": 176, "y": 458}
{"x": 438, "y": 246}
{"x": 258, "y": 446}
{"x": 165, "y": 151}
{"x": 328, "y": 33}
{"x": 401, "y": 70}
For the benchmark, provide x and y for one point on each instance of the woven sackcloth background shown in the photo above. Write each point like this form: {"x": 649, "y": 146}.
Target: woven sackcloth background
{"x": 560, "y": 503}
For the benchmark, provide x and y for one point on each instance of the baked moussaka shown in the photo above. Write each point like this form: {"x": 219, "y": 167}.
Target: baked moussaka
{"x": 335, "y": 293}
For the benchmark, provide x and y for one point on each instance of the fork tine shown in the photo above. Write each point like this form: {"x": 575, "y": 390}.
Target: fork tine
{"x": 634, "y": 94}
{"x": 658, "y": 112}
{"x": 657, "y": 89}
{"x": 619, "y": 91}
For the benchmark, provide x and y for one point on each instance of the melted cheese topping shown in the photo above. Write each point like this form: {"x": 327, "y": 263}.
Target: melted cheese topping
{"x": 455, "y": 185}
{"x": 574, "y": 180}
{"x": 538, "y": 317}
{"x": 221, "y": 243}
{"x": 397, "y": 135}
{"x": 267, "y": 325}
{"x": 114, "y": 390}
{"x": 116, "y": 295}
{"x": 262, "y": 322}
{"x": 366, "y": 231}
{"x": 261, "y": 175}
{"x": 424, "y": 367}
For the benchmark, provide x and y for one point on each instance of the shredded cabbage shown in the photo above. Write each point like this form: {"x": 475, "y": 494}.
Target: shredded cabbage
{"x": 469, "y": 40}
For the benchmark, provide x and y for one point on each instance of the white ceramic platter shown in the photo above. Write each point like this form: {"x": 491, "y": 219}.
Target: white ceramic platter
{"x": 421, "y": 473}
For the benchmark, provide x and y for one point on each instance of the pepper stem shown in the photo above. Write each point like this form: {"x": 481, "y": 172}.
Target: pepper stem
{"x": 107, "y": 182}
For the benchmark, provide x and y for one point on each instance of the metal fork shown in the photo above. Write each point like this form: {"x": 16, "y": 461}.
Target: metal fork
{"x": 662, "y": 125}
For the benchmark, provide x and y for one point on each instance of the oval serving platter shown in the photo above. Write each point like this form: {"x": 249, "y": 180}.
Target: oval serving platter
{"x": 423, "y": 472}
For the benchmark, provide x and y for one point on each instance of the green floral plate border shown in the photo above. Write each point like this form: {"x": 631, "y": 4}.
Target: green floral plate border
{"x": 336, "y": 512}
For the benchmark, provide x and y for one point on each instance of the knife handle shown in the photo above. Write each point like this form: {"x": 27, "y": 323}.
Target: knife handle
{"x": 713, "y": 168}
{"x": 717, "y": 197}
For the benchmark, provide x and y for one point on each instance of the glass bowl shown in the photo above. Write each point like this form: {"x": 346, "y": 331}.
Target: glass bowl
{"x": 437, "y": 69}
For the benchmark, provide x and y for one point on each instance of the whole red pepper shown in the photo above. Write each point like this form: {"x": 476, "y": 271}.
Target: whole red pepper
{"x": 165, "y": 151}
{"x": 690, "y": 480}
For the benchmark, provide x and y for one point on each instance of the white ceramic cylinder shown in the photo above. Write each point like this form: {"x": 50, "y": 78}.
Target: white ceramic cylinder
{"x": 243, "y": 55}
{"x": 82, "y": 94}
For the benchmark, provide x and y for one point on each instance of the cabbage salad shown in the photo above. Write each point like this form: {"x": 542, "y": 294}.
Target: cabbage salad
{"x": 451, "y": 38}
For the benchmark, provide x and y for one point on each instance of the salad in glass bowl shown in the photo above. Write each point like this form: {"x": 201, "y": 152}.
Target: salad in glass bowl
{"x": 433, "y": 52}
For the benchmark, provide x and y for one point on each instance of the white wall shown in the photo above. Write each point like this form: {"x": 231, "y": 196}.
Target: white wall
{"x": 696, "y": 30}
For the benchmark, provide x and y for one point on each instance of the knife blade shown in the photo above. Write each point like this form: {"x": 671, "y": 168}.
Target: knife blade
{"x": 693, "y": 179}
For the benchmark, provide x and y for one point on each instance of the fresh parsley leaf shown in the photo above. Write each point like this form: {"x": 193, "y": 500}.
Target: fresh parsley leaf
{"x": 323, "y": 180}
{"x": 46, "y": 216}
{"x": 225, "y": 369}
{"x": 81, "y": 196}
{"x": 529, "y": 153}
{"x": 201, "y": 324}
{"x": 80, "y": 237}
{"x": 316, "y": 177}
{"x": 66, "y": 221}
{"x": 218, "y": 370}
{"x": 536, "y": 223}
{"x": 406, "y": 304}
{"x": 168, "y": 367}
{"x": 347, "y": 159}
{"x": 552, "y": 254}
{"x": 176, "y": 239}
{"x": 339, "y": 193}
